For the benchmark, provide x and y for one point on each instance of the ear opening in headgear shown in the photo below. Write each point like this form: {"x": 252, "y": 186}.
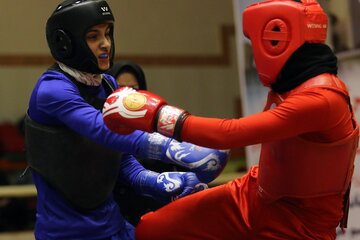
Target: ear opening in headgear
{"x": 276, "y": 36}
{"x": 275, "y": 42}
{"x": 62, "y": 43}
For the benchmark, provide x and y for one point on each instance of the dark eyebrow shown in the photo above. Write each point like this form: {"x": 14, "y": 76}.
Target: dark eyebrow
{"x": 108, "y": 28}
{"x": 92, "y": 30}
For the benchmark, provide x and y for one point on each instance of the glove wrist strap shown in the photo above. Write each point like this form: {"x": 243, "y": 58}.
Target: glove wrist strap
{"x": 169, "y": 121}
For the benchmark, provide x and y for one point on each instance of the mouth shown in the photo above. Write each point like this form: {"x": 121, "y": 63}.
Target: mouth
{"x": 104, "y": 61}
{"x": 104, "y": 56}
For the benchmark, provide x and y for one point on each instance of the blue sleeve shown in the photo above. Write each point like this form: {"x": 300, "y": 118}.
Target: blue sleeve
{"x": 129, "y": 169}
{"x": 56, "y": 101}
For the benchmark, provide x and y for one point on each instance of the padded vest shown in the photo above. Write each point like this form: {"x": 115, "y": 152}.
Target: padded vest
{"x": 295, "y": 167}
{"x": 83, "y": 171}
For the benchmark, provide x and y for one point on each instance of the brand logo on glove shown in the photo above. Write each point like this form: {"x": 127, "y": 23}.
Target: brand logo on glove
{"x": 134, "y": 101}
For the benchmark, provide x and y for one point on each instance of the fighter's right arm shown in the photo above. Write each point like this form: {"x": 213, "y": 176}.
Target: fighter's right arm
{"x": 305, "y": 112}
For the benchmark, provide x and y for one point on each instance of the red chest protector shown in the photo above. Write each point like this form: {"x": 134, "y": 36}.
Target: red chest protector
{"x": 295, "y": 167}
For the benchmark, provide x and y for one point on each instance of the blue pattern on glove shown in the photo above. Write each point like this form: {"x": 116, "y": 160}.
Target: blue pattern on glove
{"x": 167, "y": 186}
{"x": 207, "y": 163}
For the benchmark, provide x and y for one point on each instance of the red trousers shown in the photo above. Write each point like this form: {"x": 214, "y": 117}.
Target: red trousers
{"x": 235, "y": 211}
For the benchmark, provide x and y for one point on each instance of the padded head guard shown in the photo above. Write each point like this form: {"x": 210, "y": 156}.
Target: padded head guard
{"x": 66, "y": 29}
{"x": 276, "y": 28}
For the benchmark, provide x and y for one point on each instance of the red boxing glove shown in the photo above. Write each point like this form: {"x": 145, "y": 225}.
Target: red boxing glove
{"x": 127, "y": 109}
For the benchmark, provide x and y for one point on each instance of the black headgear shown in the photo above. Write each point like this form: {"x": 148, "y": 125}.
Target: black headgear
{"x": 66, "y": 29}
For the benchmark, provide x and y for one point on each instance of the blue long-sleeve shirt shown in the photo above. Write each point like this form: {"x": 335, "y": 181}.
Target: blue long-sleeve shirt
{"x": 56, "y": 101}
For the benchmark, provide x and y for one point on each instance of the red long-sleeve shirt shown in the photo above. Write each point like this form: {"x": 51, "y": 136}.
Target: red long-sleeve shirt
{"x": 322, "y": 114}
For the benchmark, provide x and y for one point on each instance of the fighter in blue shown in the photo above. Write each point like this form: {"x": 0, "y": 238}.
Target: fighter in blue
{"x": 75, "y": 159}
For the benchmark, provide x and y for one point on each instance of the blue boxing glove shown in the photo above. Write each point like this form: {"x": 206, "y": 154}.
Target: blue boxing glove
{"x": 207, "y": 163}
{"x": 167, "y": 186}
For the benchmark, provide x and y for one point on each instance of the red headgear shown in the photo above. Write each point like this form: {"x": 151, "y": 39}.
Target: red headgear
{"x": 276, "y": 28}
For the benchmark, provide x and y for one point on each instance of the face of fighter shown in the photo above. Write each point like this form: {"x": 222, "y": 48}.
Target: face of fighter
{"x": 99, "y": 40}
{"x": 277, "y": 28}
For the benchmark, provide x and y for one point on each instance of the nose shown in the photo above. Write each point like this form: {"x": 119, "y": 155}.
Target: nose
{"x": 105, "y": 43}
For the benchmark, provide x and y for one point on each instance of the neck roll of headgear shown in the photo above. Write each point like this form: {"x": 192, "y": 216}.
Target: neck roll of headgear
{"x": 276, "y": 28}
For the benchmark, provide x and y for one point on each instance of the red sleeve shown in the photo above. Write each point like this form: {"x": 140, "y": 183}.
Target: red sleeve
{"x": 320, "y": 111}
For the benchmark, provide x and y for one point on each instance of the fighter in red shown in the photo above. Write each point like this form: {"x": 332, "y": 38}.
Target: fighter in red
{"x": 300, "y": 189}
